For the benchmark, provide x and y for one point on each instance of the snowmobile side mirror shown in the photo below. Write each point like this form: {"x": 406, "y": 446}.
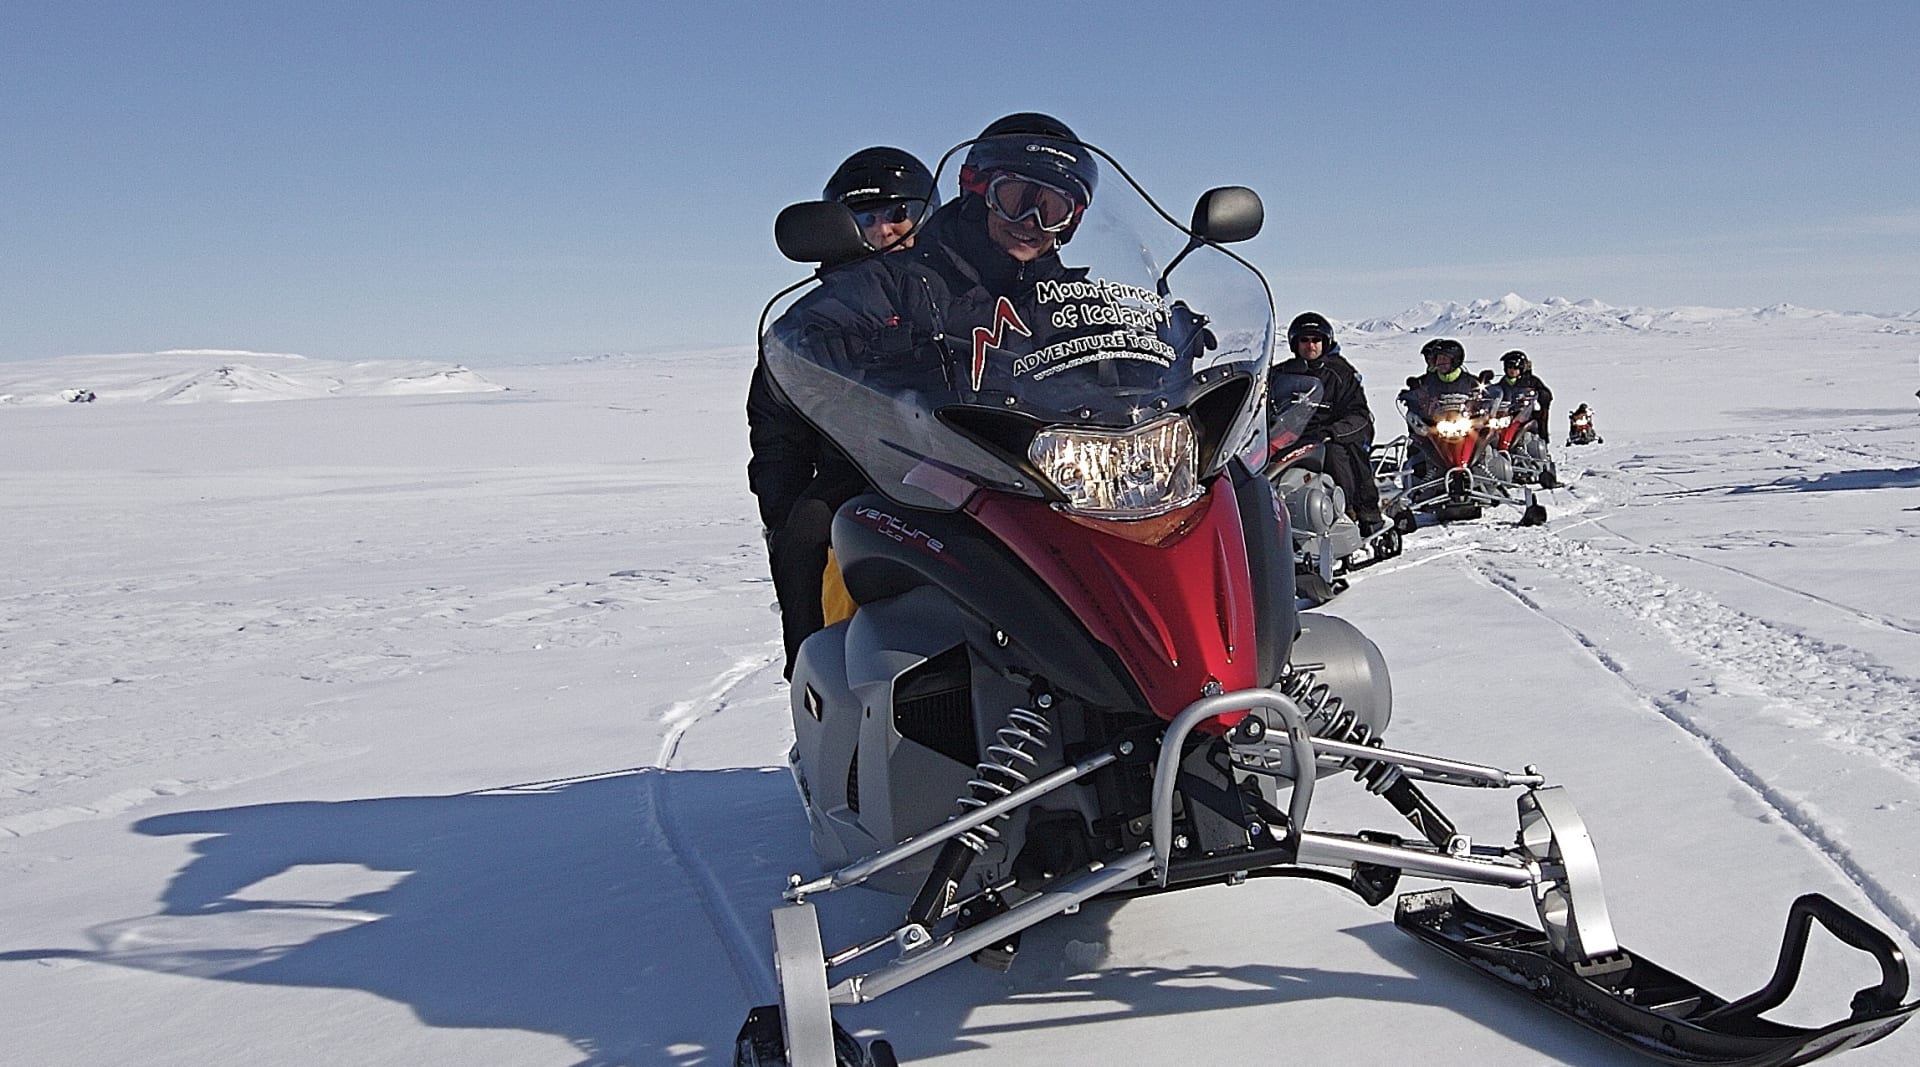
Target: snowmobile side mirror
{"x": 818, "y": 231}
{"x": 1486, "y": 377}
{"x": 1413, "y": 381}
{"x": 1228, "y": 214}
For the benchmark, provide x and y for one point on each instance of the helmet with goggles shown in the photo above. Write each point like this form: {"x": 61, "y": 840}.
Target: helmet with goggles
{"x": 1516, "y": 362}
{"x": 1444, "y": 354}
{"x": 1030, "y": 167}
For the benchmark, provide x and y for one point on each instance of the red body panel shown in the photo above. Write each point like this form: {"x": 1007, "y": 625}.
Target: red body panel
{"x": 1504, "y": 438}
{"x": 1180, "y": 615}
{"x": 1458, "y": 451}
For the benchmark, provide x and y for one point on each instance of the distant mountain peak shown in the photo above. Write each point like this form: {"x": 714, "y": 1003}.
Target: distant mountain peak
{"x": 1514, "y": 313}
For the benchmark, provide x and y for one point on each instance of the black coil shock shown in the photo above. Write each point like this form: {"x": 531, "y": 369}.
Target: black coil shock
{"x": 1005, "y": 767}
{"x": 1327, "y": 716}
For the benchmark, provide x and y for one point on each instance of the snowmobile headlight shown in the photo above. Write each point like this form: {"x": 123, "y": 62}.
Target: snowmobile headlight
{"x": 1453, "y": 426}
{"x": 1500, "y": 422}
{"x": 1137, "y": 473}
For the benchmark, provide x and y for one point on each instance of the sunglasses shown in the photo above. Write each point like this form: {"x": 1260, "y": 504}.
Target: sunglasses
{"x": 895, "y": 212}
{"x": 1017, "y": 199}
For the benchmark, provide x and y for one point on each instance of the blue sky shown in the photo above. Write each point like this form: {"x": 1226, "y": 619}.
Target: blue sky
{"x": 481, "y": 182}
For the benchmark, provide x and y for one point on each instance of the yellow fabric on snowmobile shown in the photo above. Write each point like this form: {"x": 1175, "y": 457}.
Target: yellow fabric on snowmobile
{"x": 836, "y": 604}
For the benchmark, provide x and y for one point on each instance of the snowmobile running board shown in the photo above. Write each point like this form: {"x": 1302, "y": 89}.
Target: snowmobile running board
{"x": 1658, "y": 1013}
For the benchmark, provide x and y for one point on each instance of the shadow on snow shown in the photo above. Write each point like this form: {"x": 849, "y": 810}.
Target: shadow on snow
{"x": 556, "y": 908}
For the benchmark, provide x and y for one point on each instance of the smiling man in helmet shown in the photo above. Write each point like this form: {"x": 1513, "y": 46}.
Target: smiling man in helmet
{"x": 1446, "y": 376}
{"x": 1343, "y": 420}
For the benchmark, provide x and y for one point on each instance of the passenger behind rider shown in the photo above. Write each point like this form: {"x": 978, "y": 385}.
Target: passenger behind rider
{"x": 1517, "y": 373}
{"x": 1343, "y": 420}
{"x": 1024, "y": 187}
{"x": 1446, "y": 376}
{"x": 798, "y": 477}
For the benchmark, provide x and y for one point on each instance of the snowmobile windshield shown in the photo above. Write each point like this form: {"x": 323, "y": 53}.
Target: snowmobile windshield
{"x": 1293, "y": 400}
{"x": 1514, "y": 400}
{"x": 1113, "y": 375}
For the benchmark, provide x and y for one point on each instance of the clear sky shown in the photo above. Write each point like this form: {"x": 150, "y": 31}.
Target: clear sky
{"x": 487, "y": 181}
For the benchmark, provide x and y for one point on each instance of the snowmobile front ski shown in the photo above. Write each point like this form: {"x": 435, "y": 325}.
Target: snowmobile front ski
{"x": 1658, "y": 1013}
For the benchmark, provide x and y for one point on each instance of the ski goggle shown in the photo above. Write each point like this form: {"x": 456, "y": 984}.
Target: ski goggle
{"x": 1017, "y": 199}
{"x": 893, "y": 212}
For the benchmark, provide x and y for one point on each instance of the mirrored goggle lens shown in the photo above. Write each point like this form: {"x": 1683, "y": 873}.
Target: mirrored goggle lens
{"x": 1016, "y": 199}
{"x": 895, "y": 212}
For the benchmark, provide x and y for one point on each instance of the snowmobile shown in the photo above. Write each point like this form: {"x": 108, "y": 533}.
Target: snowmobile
{"x": 1511, "y": 428}
{"x": 1327, "y": 542}
{"x": 1453, "y": 470}
{"x": 1580, "y": 429}
{"x": 1077, "y": 668}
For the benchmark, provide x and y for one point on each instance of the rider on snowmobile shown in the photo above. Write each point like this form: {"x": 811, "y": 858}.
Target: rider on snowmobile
{"x": 1446, "y": 377}
{"x": 1343, "y": 420}
{"x": 799, "y": 478}
{"x": 974, "y": 264}
{"x": 1517, "y": 373}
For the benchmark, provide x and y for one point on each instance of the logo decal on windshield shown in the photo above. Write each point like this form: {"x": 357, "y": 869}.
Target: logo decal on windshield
{"x": 984, "y": 337}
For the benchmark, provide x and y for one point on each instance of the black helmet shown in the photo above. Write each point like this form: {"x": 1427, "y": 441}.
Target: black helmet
{"x": 1034, "y": 146}
{"x": 1309, "y": 324}
{"x": 1444, "y": 354}
{"x": 876, "y": 175}
{"x": 1516, "y": 362}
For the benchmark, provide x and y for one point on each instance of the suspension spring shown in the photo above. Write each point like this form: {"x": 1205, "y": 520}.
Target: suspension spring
{"x": 1006, "y": 766}
{"x": 1328, "y": 716}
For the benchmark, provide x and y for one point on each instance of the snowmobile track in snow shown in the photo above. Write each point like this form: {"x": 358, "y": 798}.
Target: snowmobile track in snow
{"x": 757, "y": 980}
{"x": 1787, "y": 671}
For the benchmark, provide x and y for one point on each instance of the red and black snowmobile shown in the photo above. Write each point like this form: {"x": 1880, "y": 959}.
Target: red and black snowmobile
{"x": 1077, "y": 668}
{"x": 1580, "y": 429}
{"x": 1514, "y": 409}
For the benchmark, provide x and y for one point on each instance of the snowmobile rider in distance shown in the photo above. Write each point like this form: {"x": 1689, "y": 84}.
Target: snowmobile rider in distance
{"x": 1446, "y": 376}
{"x": 798, "y": 477}
{"x": 1517, "y": 373}
{"x": 1343, "y": 419}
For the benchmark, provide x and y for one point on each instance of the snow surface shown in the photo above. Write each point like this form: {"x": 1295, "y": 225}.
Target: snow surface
{"x": 410, "y": 724}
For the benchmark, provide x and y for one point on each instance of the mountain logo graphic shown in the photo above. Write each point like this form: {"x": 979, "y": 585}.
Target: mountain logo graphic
{"x": 985, "y": 337}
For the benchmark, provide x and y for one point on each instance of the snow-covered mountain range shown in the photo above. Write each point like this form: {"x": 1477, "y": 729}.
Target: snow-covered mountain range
{"x": 192, "y": 376}
{"x": 1514, "y": 313}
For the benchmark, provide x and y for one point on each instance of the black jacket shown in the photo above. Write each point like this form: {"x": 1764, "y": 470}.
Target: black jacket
{"x": 1529, "y": 381}
{"x": 790, "y": 458}
{"x": 1343, "y": 415}
{"x": 909, "y": 317}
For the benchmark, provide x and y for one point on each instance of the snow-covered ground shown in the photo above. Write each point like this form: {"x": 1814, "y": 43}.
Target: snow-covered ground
{"x": 409, "y": 723}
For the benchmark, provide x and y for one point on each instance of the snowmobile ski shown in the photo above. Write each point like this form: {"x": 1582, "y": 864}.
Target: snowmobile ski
{"x": 1658, "y": 1013}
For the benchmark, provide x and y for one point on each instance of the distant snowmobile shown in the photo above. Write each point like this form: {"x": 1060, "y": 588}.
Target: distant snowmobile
{"x": 1511, "y": 431}
{"x": 1450, "y": 465}
{"x": 1078, "y": 670}
{"x": 1580, "y": 429}
{"x": 1327, "y": 542}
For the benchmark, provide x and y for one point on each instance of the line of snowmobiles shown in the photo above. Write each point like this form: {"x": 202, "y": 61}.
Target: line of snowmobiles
{"x": 1078, "y": 668}
{"x": 1466, "y": 452}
